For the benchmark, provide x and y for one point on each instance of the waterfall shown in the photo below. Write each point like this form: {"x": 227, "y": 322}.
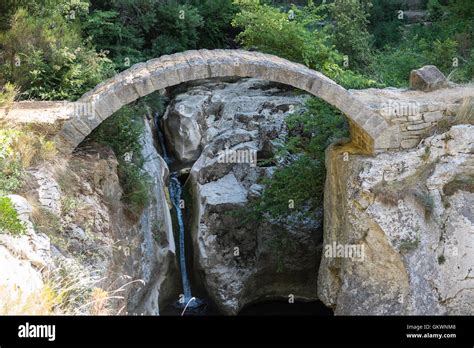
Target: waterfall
{"x": 175, "y": 193}
{"x": 176, "y": 196}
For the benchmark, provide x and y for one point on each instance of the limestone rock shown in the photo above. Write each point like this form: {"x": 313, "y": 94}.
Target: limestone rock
{"x": 157, "y": 264}
{"x": 19, "y": 282}
{"x": 427, "y": 78}
{"x": 48, "y": 191}
{"x": 238, "y": 262}
{"x": 411, "y": 210}
{"x": 182, "y": 125}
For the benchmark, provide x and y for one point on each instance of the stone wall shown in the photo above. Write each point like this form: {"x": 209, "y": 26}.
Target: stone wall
{"x": 415, "y": 113}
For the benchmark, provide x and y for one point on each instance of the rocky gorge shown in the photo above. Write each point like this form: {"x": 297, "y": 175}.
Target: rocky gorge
{"x": 240, "y": 263}
{"x": 410, "y": 210}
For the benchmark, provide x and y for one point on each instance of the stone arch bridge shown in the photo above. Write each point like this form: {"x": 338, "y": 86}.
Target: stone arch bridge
{"x": 373, "y": 129}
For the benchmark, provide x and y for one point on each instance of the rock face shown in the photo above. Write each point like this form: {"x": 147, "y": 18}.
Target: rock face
{"x": 411, "y": 214}
{"x": 242, "y": 262}
{"x": 427, "y": 78}
{"x": 90, "y": 237}
{"x": 158, "y": 264}
{"x": 182, "y": 127}
{"x": 23, "y": 260}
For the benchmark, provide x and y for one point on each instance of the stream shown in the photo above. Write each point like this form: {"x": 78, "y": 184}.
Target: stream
{"x": 175, "y": 195}
{"x": 186, "y": 302}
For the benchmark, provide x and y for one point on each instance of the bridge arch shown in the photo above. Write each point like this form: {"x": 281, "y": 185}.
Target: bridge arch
{"x": 368, "y": 129}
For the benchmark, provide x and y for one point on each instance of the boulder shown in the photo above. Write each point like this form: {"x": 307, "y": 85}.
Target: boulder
{"x": 183, "y": 127}
{"x": 427, "y": 78}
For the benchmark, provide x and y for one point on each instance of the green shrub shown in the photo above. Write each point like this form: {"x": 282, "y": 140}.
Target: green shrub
{"x": 122, "y": 132}
{"x": 176, "y": 28}
{"x": 426, "y": 201}
{"x": 11, "y": 170}
{"x": 447, "y": 43}
{"x": 301, "y": 39}
{"x": 384, "y": 26}
{"x": 295, "y": 188}
{"x": 136, "y": 187}
{"x": 45, "y": 57}
{"x": 441, "y": 259}
{"x": 123, "y": 42}
{"x": 407, "y": 245}
{"x": 7, "y": 95}
{"x": 435, "y": 10}
{"x": 9, "y": 221}
{"x": 298, "y": 187}
{"x": 351, "y": 36}
{"x": 216, "y": 31}
{"x": 315, "y": 129}
{"x": 11, "y": 176}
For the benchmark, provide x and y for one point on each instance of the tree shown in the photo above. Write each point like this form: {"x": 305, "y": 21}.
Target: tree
{"x": 44, "y": 55}
{"x": 351, "y": 36}
{"x": 300, "y": 36}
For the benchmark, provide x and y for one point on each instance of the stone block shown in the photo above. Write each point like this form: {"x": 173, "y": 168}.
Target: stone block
{"x": 427, "y": 78}
{"x": 418, "y": 126}
{"x": 432, "y": 116}
{"x": 409, "y": 143}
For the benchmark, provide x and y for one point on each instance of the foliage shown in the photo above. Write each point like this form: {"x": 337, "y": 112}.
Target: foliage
{"x": 351, "y": 36}
{"x": 446, "y": 43}
{"x": 11, "y": 176}
{"x": 122, "y": 42}
{"x": 177, "y": 29}
{"x": 301, "y": 183}
{"x": 392, "y": 67}
{"x": 384, "y": 26}
{"x": 9, "y": 221}
{"x": 135, "y": 31}
{"x": 441, "y": 259}
{"x": 407, "y": 245}
{"x": 7, "y": 95}
{"x": 461, "y": 9}
{"x": 20, "y": 150}
{"x": 315, "y": 129}
{"x": 11, "y": 171}
{"x": 303, "y": 39}
{"x": 45, "y": 57}
{"x": 426, "y": 201}
{"x": 122, "y": 132}
{"x": 435, "y": 10}
{"x": 216, "y": 31}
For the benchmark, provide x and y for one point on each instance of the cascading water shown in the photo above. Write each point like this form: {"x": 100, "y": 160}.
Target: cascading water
{"x": 175, "y": 194}
{"x": 175, "y": 189}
